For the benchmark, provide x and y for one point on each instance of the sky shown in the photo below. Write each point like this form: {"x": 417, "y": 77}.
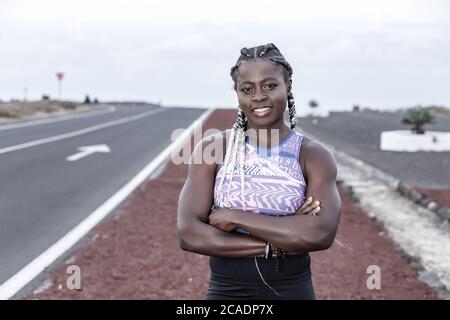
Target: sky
{"x": 381, "y": 54}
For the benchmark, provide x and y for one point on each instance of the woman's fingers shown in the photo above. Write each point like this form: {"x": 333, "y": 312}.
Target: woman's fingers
{"x": 309, "y": 207}
{"x": 305, "y": 204}
{"x": 315, "y": 212}
{"x": 313, "y": 208}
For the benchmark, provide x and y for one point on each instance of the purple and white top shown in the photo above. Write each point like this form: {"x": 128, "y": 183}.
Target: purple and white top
{"x": 273, "y": 180}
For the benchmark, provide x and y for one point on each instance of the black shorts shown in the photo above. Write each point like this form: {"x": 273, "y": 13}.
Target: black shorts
{"x": 239, "y": 278}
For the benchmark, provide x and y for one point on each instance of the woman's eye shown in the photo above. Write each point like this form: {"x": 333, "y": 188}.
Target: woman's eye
{"x": 247, "y": 90}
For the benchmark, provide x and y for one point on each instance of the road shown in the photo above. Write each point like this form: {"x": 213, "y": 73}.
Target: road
{"x": 43, "y": 195}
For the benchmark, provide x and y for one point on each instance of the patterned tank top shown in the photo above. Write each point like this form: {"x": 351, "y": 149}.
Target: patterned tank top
{"x": 273, "y": 180}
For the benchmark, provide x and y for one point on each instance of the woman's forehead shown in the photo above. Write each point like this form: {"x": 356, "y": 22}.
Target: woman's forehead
{"x": 256, "y": 70}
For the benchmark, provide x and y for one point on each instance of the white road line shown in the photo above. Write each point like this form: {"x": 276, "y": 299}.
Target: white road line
{"x": 80, "y": 132}
{"x": 10, "y": 287}
{"x": 55, "y": 119}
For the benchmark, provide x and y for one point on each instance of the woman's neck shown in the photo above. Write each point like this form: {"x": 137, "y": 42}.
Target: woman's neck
{"x": 266, "y": 137}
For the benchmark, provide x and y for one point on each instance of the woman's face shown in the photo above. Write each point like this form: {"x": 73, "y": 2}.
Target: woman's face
{"x": 262, "y": 93}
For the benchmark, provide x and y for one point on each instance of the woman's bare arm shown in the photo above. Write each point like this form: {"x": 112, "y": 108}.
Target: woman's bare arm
{"x": 194, "y": 232}
{"x": 297, "y": 233}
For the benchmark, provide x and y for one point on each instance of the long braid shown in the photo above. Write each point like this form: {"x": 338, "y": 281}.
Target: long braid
{"x": 233, "y": 157}
{"x": 241, "y": 167}
{"x": 292, "y": 113}
{"x": 225, "y": 164}
{"x": 240, "y": 127}
{"x": 237, "y": 138}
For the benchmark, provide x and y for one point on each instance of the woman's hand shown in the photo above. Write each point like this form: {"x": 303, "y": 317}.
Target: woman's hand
{"x": 221, "y": 219}
{"x": 309, "y": 207}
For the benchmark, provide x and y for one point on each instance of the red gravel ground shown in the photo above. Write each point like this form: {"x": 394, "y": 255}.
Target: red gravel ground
{"x": 441, "y": 196}
{"x": 135, "y": 254}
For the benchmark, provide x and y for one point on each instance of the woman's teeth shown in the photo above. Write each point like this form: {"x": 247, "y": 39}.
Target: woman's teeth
{"x": 261, "y": 110}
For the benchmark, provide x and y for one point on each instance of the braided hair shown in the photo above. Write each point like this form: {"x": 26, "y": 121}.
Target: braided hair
{"x": 236, "y": 146}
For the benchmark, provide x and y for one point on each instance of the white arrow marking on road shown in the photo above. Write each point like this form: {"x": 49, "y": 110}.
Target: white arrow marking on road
{"x": 87, "y": 150}
{"x": 29, "y": 272}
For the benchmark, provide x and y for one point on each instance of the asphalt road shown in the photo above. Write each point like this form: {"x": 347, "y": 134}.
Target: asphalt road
{"x": 358, "y": 134}
{"x": 43, "y": 196}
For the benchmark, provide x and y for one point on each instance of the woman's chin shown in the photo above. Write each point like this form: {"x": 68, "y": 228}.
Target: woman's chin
{"x": 266, "y": 122}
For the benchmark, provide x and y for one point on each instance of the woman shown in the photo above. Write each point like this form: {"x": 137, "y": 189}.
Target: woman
{"x": 252, "y": 212}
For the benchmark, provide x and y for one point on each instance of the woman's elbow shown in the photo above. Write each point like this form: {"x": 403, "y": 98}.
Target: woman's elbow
{"x": 185, "y": 239}
{"x": 191, "y": 238}
{"x": 324, "y": 240}
{"x": 319, "y": 240}
{"x": 325, "y": 243}
{"x": 325, "y": 233}
{"x": 184, "y": 245}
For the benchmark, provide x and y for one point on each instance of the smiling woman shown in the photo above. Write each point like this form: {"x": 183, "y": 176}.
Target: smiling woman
{"x": 253, "y": 212}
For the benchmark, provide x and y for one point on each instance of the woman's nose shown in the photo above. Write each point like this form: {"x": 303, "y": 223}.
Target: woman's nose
{"x": 259, "y": 95}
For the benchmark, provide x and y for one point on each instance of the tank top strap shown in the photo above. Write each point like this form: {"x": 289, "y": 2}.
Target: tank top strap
{"x": 298, "y": 143}
{"x": 291, "y": 146}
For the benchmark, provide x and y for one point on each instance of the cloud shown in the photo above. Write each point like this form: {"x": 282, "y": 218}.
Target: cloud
{"x": 175, "y": 52}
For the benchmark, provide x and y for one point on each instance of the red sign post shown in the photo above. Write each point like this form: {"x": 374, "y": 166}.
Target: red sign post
{"x": 59, "y": 76}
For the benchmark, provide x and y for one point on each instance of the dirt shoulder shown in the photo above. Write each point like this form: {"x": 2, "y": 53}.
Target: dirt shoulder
{"x": 13, "y": 112}
{"x": 135, "y": 254}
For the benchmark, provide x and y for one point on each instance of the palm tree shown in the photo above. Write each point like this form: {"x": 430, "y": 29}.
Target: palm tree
{"x": 418, "y": 117}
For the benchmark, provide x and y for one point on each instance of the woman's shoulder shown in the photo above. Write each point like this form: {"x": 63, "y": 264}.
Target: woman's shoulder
{"x": 212, "y": 141}
{"x": 315, "y": 153}
{"x": 214, "y": 137}
{"x": 220, "y": 136}
{"x": 312, "y": 146}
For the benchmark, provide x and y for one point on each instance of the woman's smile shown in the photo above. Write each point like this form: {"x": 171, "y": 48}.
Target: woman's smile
{"x": 262, "y": 112}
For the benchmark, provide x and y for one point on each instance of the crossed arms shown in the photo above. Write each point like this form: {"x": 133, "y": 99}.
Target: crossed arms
{"x": 206, "y": 231}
